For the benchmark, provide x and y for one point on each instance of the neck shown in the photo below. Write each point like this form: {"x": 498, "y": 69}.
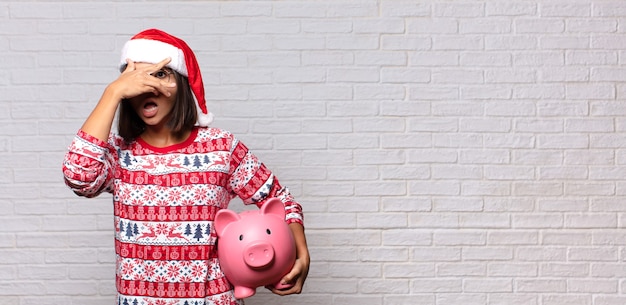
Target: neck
{"x": 163, "y": 137}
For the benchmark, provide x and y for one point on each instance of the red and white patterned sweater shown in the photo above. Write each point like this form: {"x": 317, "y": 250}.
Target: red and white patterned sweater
{"x": 165, "y": 200}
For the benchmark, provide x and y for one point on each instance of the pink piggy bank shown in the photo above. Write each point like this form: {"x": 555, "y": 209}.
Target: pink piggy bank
{"x": 255, "y": 248}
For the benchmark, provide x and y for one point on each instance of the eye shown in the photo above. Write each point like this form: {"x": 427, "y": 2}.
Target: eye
{"x": 241, "y": 237}
{"x": 161, "y": 74}
{"x": 268, "y": 231}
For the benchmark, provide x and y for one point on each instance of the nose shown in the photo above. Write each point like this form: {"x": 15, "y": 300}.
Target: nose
{"x": 259, "y": 255}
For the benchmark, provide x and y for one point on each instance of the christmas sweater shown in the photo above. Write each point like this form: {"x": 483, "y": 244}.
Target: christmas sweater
{"x": 165, "y": 201}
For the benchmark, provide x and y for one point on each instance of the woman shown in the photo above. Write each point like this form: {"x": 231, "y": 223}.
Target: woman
{"x": 169, "y": 174}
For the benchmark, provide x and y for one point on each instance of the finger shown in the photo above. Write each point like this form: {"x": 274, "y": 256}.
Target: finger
{"x": 160, "y": 87}
{"x": 295, "y": 289}
{"x": 288, "y": 278}
{"x": 289, "y": 284}
{"x": 158, "y": 66}
{"x": 130, "y": 65}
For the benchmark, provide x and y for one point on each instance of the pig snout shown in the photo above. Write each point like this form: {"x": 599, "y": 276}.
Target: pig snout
{"x": 259, "y": 255}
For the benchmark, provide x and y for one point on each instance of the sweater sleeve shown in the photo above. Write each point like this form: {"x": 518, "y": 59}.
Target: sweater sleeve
{"x": 88, "y": 166}
{"x": 254, "y": 183}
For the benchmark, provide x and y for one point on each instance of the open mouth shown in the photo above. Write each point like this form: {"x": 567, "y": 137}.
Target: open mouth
{"x": 150, "y": 109}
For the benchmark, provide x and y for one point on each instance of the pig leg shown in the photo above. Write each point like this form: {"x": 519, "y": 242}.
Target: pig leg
{"x": 244, "y": 292}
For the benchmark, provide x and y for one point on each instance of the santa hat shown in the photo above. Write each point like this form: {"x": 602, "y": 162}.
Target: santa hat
{"x": 152, "y": 46}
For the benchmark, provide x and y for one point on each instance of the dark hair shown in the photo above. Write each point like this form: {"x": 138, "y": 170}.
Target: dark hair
{"x": 183, "y": 119}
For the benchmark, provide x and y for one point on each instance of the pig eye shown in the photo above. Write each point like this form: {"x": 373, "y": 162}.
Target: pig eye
{"x": 241, "y": 237}
{"x": 268, "y": 231}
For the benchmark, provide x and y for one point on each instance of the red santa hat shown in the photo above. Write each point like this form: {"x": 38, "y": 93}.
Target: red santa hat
{"x": 152, "y": 46}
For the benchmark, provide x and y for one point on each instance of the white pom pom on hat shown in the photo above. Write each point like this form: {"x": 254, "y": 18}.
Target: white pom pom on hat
{"x": 153, "y": 45}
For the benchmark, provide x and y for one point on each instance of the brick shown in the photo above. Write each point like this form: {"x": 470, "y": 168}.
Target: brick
{"x": 341, "y": 75}
{"x": 591, "y": 221}
{"x": 591, "y": 26}
{"x": 539, "y": 91}
{"x": 438, "y": 220}
{"x": 386, "y": 25}
{"x": 564, "y": 74}
{"x": 281, "y": 26}
{"x": 484, "y": 220}
{"x": 487, "y": 92}
{"x": 405, "y": 141}
{"x": 598, "y": 286}
{"x": 437, "y": 285}
{"x": 432, "y": 26}
{"x": 458, "y": 238}
{"x": 365, "y": 125}
{"x": 435, "y": 254}
{"x": 374, "y": 58}
{"x": 487, "y": 253}
{"x": 22, "y": 288}
{"x": 325, "y": 57}
{"x": 563, "y": 42}
{"x": 590, "y": 57}
{"x": 511, "y": 8}
{"x": 320, "y": 92}
{"x": 608, "y": 9}
{"x": 559, "y": 238}
{"x": 42, "y": 272}
{"x": 448, "y": 188}
{"x": 433, "y": 93}
{"x": 403, "y": 237}
{"x": 509, "y": 108}
{"x": 326, "y": 26}
{"x": 564, "y": 270}
{"x": 557, "y": 173}
{"x": 514, "y": 299}
{"x": 485, "y": 26}
{"x": 405, "y": 9}
{"x": 359, "y": 42}
{"x": 540, "y": 285}
{"x": 457, "y": 77}
{"x": 565, "y": 9}
{"x": 405, "y": 205}
{"x": 458, "y": 42}
{"x": 362, "y": 238}
{"x": 383, "y": 254}
{"x": 434, "y": 59}
{"x": 565, "y": 299}
{"x": 486, "y": 59}
{"x": 351, "y": 141}
{"x": 403, "y": 75}
{"x": 487, "y": 285}
{"x": 544, "y": 26}
{"x": 572, "y": 205}
{"x": 537, "y": 221}
{"x": 306, "y": 10}
{"x": 403, "y": 42}
{"x": 515, "y": 270}
{"x": 483, "y": 156}
{"x": 380, "y": 188}
{"x": 351, "y": 270}
{"x": 379, "y": 92}
{"x": 510, "y": 42}
{"x": 411, "y": 270}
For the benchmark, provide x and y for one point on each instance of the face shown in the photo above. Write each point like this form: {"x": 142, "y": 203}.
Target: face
{"x": 155, "y": 109}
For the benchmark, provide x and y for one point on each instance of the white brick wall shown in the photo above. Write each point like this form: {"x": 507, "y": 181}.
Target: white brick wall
{"x": 446, "y": 152}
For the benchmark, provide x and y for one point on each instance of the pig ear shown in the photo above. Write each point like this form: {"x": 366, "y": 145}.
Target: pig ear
{"x": 274, "y": 206}
{"x": 223, "y": 218}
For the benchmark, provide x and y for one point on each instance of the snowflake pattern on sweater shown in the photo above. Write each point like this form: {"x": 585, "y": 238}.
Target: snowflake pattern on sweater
{"x": 165, "y": 201}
